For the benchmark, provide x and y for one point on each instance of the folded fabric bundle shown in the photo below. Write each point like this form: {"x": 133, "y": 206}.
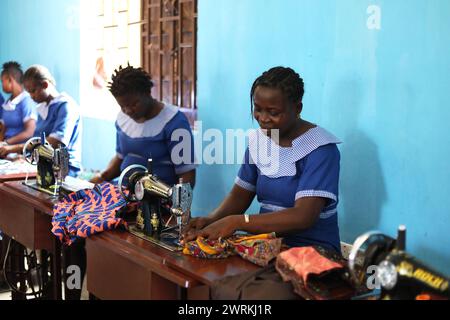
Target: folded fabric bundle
{"x": 315, "y": 273}
{"x": 88, "y": 212}
{"x": 259, "y": 249}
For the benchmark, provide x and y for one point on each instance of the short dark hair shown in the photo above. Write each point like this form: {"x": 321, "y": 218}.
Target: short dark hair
{"x": 38, "y": 73}
{"x": 130, "y": 80}
{"x": 14, "y": 70}
{"x": 285, "y": 79}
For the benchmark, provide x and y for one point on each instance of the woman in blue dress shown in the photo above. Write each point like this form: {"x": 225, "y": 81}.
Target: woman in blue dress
{"x": 297, "y": 186}
{"x": 147, "y": 128}
{"x": 58, "y": 116}
{"x": 17, "y": 114}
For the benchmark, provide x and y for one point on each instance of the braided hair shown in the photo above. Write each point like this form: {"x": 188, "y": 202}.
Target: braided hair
{"x": 14, "y": 70}
{"x": 39, "y": 74}
{"x": 285, "y": 79}
{"x": 130, "y": 80}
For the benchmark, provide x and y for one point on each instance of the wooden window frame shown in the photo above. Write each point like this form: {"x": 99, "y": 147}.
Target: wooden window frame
{"x": 169, "y": 51}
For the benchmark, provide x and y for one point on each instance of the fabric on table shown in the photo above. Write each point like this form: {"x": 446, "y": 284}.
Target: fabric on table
{"x": 315, "y": 273}
{"x": 88, "y": 212}
{"x": 259, "y": 249}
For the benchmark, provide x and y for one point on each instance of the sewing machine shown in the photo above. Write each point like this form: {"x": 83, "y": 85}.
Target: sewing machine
{"x": 399, "y": 275}
{"x": 156, "y": 200}
{"x": 52, "y": 164}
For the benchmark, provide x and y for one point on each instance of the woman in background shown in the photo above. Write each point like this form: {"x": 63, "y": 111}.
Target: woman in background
{"x": 58, "y": 116}
{"x": 145, "y": 128}
{"x": 17, "y": 114}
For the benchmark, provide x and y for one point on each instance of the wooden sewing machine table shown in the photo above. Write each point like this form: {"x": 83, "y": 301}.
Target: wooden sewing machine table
{"x": 25, "y": 216}
{"x": 121, "y": 266}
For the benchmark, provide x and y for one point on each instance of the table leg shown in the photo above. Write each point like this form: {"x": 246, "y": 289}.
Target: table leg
{"x": 56, "y": 270}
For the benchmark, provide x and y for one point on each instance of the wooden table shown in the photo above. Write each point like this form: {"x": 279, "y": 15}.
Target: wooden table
{"x": 20, "y": 165}
{"x": 16, "y": 177}
{"x": 121, "y": 266}
{"x": 25, "y": 216}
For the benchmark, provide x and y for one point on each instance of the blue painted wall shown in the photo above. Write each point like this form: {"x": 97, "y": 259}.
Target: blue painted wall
{"x": 47, "y": 32}
{"x": 383, "y": 92}
{"x": 43, "y": 32}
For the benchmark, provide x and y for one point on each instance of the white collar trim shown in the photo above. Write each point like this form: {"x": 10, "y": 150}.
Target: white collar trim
{"x": 149, "y": 128}
{"x": 11, "y": 105}
{"x": 43, "y": 107}
{"x": 274, "y": 161}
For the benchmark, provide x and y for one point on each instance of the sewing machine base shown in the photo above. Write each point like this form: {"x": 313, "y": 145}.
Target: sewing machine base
{"x": 168, "y": 241}
{"x": 35, "y": 186}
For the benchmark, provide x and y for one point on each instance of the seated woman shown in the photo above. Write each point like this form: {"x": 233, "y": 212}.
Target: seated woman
{"x": 147, "y": 128}
{"x": 297, "y": 188}
{"x": 58, "y": 116}
{"x": 17, "y": 114}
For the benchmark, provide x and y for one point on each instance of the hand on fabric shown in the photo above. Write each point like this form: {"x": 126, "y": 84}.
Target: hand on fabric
{"x": 194, "y": 225}
{"x": 220, "y": 229}
{"x": 5, "y": 150}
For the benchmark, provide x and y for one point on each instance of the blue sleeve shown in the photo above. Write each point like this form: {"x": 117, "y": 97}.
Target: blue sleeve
{"x": 67, "y": 121}
{"x": 248, "y": 174}
{"x": 181, "y": 144}
{"x": 119, "y": 151}
{"x": 28, "y": 110}
{"x": 320, "y": 175}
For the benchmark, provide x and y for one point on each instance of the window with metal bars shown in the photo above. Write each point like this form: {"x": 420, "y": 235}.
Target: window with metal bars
{"x": 169, "y": 51}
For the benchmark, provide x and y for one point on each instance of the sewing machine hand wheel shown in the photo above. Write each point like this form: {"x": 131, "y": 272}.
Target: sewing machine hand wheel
{"x": 368, "y": 249}
{"x": 127, "y": 181}
{"x": 28, "y": 149}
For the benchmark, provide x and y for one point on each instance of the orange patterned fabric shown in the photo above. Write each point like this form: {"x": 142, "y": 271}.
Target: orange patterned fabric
{"x": 259, "y": 249}
{"x": 87, "y": 212}
{"x": 306, "y": 261}
{"x": 315, "y": 273}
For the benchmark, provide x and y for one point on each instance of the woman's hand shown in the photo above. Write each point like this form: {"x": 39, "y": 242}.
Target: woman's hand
{"x": 195, "y": 225}
{"x": 222, "y": 228}
{"x": 97, "y": 179}
{"x": 5, "y": 150}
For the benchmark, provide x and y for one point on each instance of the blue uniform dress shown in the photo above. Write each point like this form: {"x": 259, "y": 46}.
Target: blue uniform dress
{"x": 166, "y": 139}
{"x": 60, "y": 119}
{"x": 279, "y": 176}
{"x": 14, "y": 113}
{"x": 1, "y": 99}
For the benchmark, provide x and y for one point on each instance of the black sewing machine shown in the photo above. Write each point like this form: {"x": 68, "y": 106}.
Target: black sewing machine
{"x": 52, "y": 164}
{"x": 158, "y": 205}
{"x": 399, "y": 275}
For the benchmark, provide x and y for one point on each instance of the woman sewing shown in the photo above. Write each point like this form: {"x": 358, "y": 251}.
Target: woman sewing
{"x": 297, "y": 189}
{"x": 58, "y": 116}
{"x": 145, "y": 129}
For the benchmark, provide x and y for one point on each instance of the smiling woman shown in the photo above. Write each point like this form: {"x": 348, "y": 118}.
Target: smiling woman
{"x": 298, "y": 189}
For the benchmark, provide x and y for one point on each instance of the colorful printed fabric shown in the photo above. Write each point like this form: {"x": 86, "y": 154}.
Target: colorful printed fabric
{"x": 315, "y": 273}
{"x": 207, "y": 249}
{"x": 305, "y": 262}
{"x": 87, "y": 212}
{"x": 259, "y": 249}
